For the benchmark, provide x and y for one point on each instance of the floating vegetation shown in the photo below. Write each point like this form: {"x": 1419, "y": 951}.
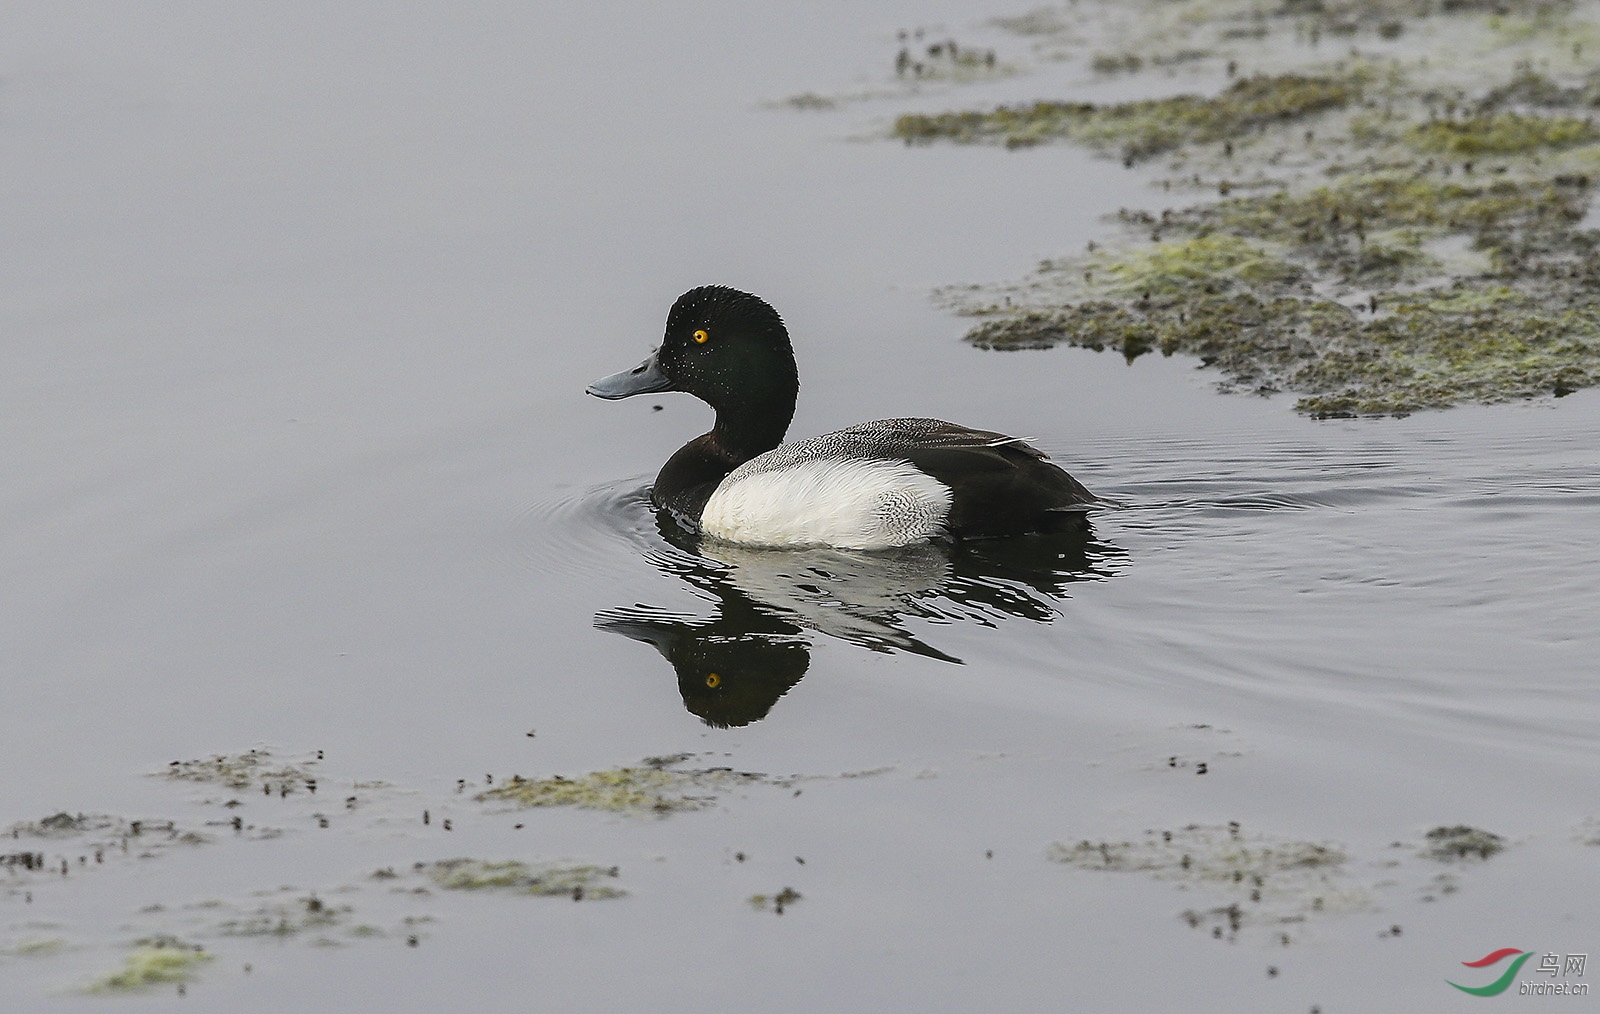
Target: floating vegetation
{"x": 162, "y": 961}
{"x": 1419, "y": 245}
{"x": 1528, "y": 88}
{"x": 652, "y": 788}
{"x": 287, "y": 919}
{"x": 1040, "y": 21}
{"x": 1332, "y": 228}
{"x": 1198, "y": 853}
{"x": 578, "y": 882}
{"x": 85, "y": 840}
{"x": 943, "y": 60}
{"x": 1204, "y": 264}
{"x": 1117, "y": 63}
{"x": 1451, "y": 844}
{"x": 658, "y": 785}
{"x": 810, "y": 100}
{"x": 1501, "y": 134}
{"x": 1264, "y": 881}
{"x": 1143, "y": 129}
{"x": 252, "y": 769}
{"x": 30, "y": 947}
{"x": 63, "y": 825}
{"x": 775, "y": 902}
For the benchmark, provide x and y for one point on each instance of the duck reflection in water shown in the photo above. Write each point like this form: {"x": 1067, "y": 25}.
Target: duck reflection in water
{"x": 733, "y": 667}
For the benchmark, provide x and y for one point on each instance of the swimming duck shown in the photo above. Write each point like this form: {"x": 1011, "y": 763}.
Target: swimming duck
{"x": 876, "y": 485}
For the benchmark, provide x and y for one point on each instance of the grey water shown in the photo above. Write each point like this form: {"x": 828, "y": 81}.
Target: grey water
{"x": 298, "y": 306}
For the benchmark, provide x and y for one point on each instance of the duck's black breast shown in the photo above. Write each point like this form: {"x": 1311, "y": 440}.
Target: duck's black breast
{"x": 688, "y": 479}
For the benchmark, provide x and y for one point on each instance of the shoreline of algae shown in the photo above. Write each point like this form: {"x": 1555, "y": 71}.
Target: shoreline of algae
{"x": 1385, "y": 236}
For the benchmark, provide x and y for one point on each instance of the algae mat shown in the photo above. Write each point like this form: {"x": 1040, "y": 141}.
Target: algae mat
{"x": 1391, "y": 224}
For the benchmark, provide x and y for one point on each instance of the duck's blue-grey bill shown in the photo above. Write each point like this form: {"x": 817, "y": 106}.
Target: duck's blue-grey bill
{"x": 646, "y": 378}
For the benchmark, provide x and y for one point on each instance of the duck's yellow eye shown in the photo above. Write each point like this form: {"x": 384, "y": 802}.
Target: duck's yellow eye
{"x": 712, "y": 680}
{"x": 701, "y": 337}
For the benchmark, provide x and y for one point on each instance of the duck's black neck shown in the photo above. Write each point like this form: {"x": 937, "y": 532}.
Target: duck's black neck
{"x": 746, "y": 428}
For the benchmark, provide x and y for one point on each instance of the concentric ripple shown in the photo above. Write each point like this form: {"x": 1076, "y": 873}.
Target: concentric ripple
{"x": 584, "y": 532}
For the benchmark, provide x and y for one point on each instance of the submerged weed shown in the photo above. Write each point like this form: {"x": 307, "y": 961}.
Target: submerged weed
{"x": 254, "y": 768}
{"x": 1263, "y": 881}
{"x": 1417, "y": 245}
{"x": 1450, "y": 844}
{"x": 29, "y": 947}
{"x": 288, "y": 918}
{"x": 160, "y": 961}
{"x": 1209, "y": 262}
{"x": 659, "y": 789}
{"x": 549, "y": 879}
{"x": 1501, "y": 134}
{"x": 775, "y": 902}
{"x": 1143, "y": 129}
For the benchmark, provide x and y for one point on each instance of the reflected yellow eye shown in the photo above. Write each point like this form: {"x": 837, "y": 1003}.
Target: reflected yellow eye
{"x": 701, "y": 337}
{"x": 713, "y": 680}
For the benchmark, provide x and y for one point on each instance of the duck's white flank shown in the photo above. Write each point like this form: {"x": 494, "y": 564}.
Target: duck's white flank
{"x": 850, "y": 503}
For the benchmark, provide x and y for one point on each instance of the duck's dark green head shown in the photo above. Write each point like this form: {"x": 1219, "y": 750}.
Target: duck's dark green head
{"x": 725, "y": 347}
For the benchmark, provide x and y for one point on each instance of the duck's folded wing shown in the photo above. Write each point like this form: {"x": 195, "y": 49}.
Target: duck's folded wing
{"x": 999, "y": 484}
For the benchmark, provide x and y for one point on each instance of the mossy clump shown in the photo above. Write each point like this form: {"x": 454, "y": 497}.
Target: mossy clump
{"x": 1424, "y": 354}
{"x": 775, "y": 902}
{"x": 65, "y": 825}
{"x": 1501, "y": 134}
{"x": 1235, "y": 290}
{"x": 1421, "y": 357}
{"x": 810, "y": 101}
{"x": 1528, "y": 88}
{"x": 1146, "y": 128}
{"x": 30, "y": 947}
{"x": 1451, "y": 844}
{"x": 96, "y": 838}
{"x": 158, "y": 962}
{"x": 1211, "y": 263}
{"x": 1263, "y": 881}
{"x": 1198, "y": 853}
{"x": 652, "y": 788}
{"x": 289, "y": 918}
{"x": 1414, "y": 240}
{"x": 578, "y": 882}
{"x": 1368, "y": 227}
{"x": 252, "y": 769}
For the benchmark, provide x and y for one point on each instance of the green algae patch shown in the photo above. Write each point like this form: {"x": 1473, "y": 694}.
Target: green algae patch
{"x": 1199, "y": 853}
{"x": 1251, "y": 286}
{"x": 252, "y": 769}
{"x": 288, "y": 919}
{"x": 1502, "y": 134}
{"x": 1204, "y": 263}
{"x": 655, "y": 787}
{"x": 658, "y": 785}
{"x": 1334, "y": 228}
{"x": 578, "y": 881}
{"x": 1142, "y": 129}
{"x": 33, "y": 947}
{"x": 1378, "y": 232}
{"x": 161, "y": 962}
{"x": 1453, "y": 844}
{"x": 1260, "y": 881}
{"x": 774, "y": 903}
{"x": 86, "y": 841}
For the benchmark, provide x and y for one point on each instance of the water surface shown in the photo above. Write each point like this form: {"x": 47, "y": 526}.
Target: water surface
{"x": 299, "y": 310}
